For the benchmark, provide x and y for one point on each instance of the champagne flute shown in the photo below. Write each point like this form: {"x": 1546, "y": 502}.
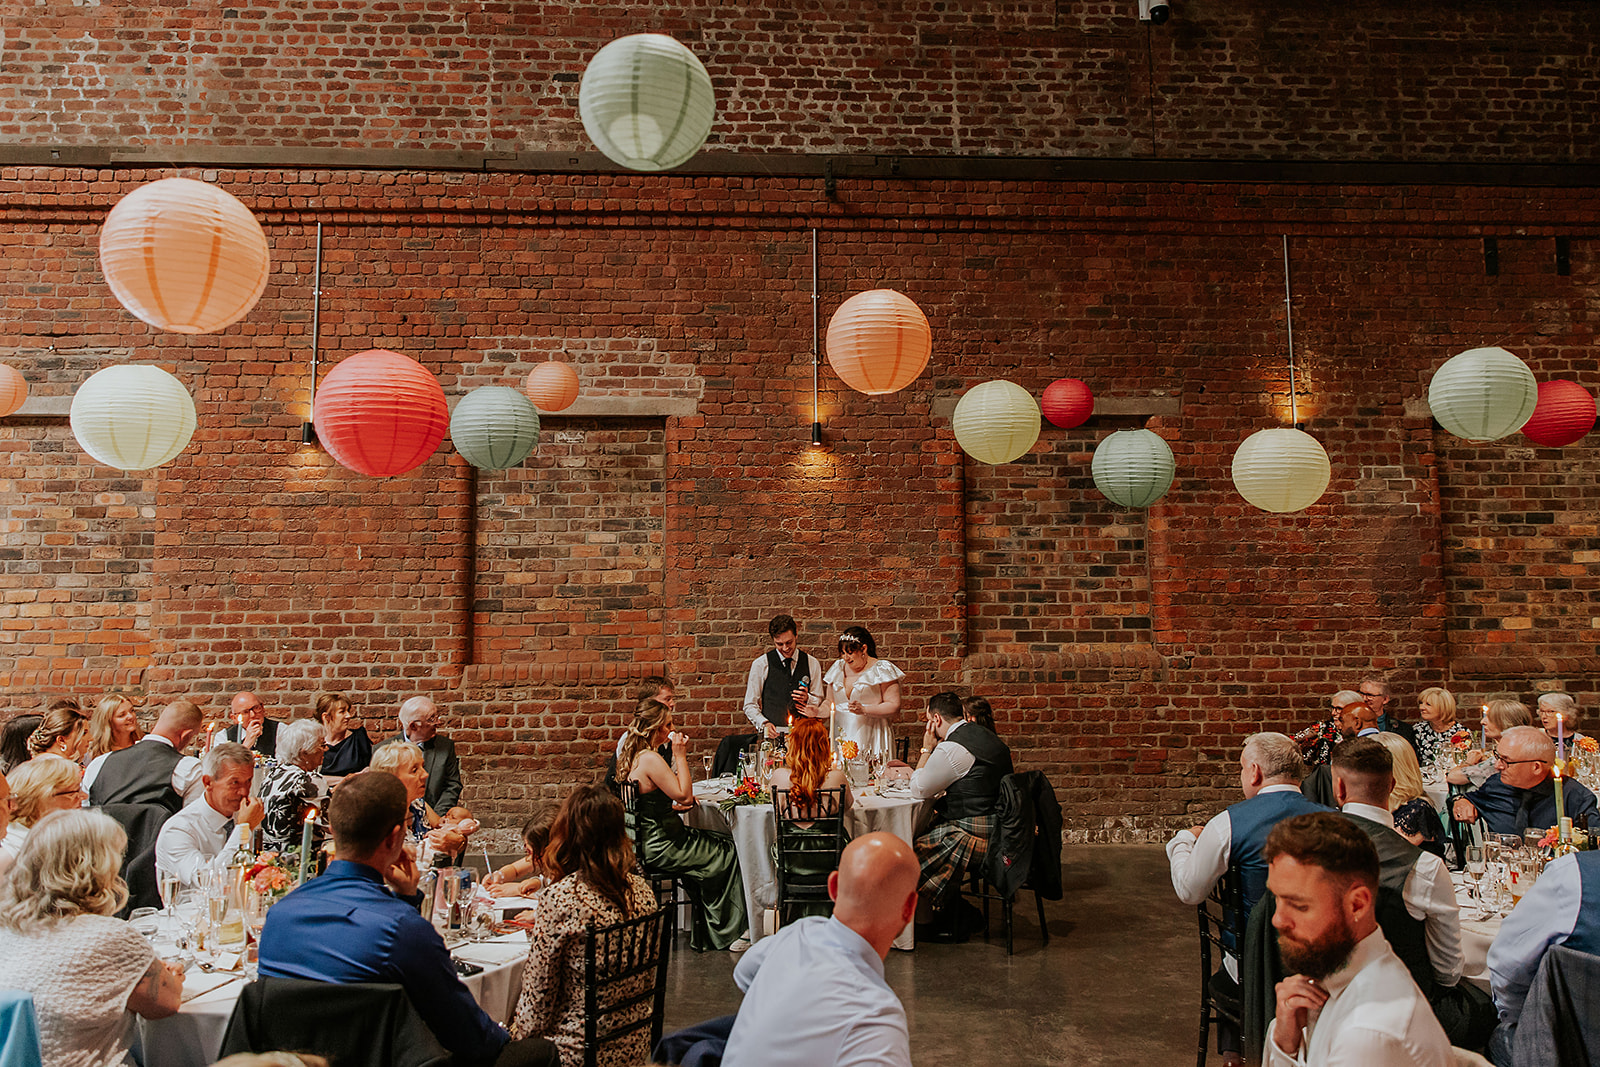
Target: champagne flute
{"x": 705, "y": 761}
{"x": 1475, "y": 869}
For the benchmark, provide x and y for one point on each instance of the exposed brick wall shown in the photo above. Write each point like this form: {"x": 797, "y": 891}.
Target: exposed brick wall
{"x": 1486, "y": 80}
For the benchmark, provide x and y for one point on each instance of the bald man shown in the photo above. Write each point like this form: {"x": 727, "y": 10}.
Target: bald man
{"x": 249, "y": 726}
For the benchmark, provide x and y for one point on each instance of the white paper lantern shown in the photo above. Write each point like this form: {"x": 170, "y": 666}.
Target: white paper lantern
{"x": 132, "y": 417}
{"x": 647, "y": 102}
{"x": 1133, "y": 468}
{"x": 996, "y": 422}
{"x": 494, "y": 427}
{"x": 1483, "y": 394}
{"x": 1281, "y": 470}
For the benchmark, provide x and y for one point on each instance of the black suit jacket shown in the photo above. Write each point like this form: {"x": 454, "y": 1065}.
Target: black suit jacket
{"x": 444, "y": 773}
{"x": 266, "y": 744}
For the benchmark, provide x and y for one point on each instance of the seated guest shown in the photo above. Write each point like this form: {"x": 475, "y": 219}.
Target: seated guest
{"x": 1414, "y": 817}
{"x": 1375, "y": 694}
{"x": 1477, "y": 766}
{"x": 1352, "y": 718}
{"x": 89, "y": 973}
{"x": 1316, "y": 742}
{"x": 806, "y": 772}
{"x": 1559, "y": 709}
{"x": 154, "y": 771}
{"x": 1423, "y": 925}
{"x": 113, "y": 726}
{"x": 1558, "y": 909}
{"x": 419, "y": 722}
{"x": 703, "y": 862}
{"x": 965, "y": 763}
{"x": 591, "y": 860}
{"x": 38, "y": 787}
{"x": 216, "y": 824}
{"x": 63, "y": 732}
{"x": 977, "y": 710}
{"x": 14, "y": 740}
{"x": 1526, "y": 755}
{"x": 655, "y": 687}
{"x": 358, "y": 922}
{"x": 1348, "y": 998}
{"x": 1437, "y": 708}
{"x": 528, "y": 875}
{"x": 349, "y": 747}
{"x": 1269, "y": 775}
{"x": 250, "y": 726}
{"x": 404, "y": 760}
{"x": 292, "y": 786}
{"x": 6, "y": 855}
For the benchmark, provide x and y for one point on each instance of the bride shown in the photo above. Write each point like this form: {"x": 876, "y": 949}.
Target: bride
{"x": 863, "y": 693}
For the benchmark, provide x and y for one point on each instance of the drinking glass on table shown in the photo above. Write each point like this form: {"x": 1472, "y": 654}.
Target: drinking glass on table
{"x": 169, "y": 889}
{"x": 705, "y": 762}
{"x": 1476, "y": 865}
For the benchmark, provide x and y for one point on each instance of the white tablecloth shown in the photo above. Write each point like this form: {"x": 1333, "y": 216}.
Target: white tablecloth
{"x": 193, "y": 1037}
{"x": 1476, "y": 935}
{"x": 754, "y": 831}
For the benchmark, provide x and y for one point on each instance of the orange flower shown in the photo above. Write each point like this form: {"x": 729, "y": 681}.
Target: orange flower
{"x": 849, "y": 749}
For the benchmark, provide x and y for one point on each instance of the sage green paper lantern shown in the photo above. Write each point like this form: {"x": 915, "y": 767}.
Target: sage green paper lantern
{"x": 132, "y": 417}
{"x": 1133, "y": 468}
{"x": 494, "y": 427}
{"x": 647, "y": 102}
{"x": 1483, "y": 394}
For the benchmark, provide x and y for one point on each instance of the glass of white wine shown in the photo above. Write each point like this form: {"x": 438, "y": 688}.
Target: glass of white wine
{"x": 1476, "y": 865}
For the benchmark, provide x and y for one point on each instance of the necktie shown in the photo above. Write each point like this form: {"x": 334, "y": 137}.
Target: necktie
{"x": 788, "y": 664}
{"x": 227, "y": 833}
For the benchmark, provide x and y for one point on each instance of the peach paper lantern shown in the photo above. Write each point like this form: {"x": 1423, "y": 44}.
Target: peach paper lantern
{"x": 13, "y": 389}
{"x": 552, "y": 386}
{"x": 1564, "y": 414}
{"x": 380, "y": 413}
{"x": 878, "y": 341}
{"x": 184, "y": 256}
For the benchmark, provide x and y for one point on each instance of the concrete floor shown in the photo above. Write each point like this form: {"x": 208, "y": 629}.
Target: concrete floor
{"x": 1118, "y": 983}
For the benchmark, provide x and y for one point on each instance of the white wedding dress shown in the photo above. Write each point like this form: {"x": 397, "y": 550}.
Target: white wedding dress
{"x": 872, "y": 732}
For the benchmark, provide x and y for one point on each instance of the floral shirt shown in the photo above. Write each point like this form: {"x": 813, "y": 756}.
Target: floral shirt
{"x": 285, "y": 795}
{"x": 1316, "y": 742}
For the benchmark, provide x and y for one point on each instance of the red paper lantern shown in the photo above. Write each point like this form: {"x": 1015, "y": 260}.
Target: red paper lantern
{"x": 1565, "y": 412}
{"x": 552, "y": 386}
{"x": 878, "y": 341}
{"x": 13, "y": 389}
{"x": 380, "y": 413}
{"x": 1067, "y": 403}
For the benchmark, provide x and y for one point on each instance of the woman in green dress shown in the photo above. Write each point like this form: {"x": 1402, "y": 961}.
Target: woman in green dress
{"x": 703, "y": 861}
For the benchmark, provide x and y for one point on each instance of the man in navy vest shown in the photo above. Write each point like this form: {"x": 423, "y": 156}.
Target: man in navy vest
{"x": 1561, "y": 908}
{"x": 779, "y": 680}
{"x": 1269, "y": 773}
{"x": 1524, "y": 761}
{"x": 250, "y": 726}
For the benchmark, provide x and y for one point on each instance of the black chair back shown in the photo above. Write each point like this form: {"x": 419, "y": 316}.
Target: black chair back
{"x": 625, "y": 985}
{"x": 1222, "y": 922}
{"x": 629, "y": 791}
{"x": 355, "y": 1025}
{"x": 729, "y": 749}
{"x": 807, "y": 855}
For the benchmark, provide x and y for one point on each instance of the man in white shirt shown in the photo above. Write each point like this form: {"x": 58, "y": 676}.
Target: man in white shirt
{"x": 176, "y": 727}
{"x": 224, "y": 816}
{"x": 1348, "y": 1000}
{"x": 780, "y": 679}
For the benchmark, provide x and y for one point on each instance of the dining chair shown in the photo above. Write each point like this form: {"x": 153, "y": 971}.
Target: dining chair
{"x": 358, "y": 1024}
{"x": 1222, "y": 921}
{"x": 664, "y": 885}
{"x": 625, "y": 984}
{"x": 807, "y": 854}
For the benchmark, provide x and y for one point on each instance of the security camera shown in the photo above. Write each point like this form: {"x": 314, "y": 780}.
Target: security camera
{"x": 1154, "y": 11}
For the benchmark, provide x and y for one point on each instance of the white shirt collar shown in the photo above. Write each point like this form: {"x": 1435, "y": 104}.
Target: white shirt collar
{"x": 157, "y": 737}
{"x": 1366, "y": 949}
{"x": 954, "y": 727}
{"x": 210, "y": 817}
{"x": 1369, "y": 811}
{"x": 1281, "y": 787}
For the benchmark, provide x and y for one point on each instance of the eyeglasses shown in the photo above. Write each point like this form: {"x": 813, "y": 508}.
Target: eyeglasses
{"x": 71, "y": 792}
{"x": 1501, "y": 761}
{"x": 1373, "y": 696}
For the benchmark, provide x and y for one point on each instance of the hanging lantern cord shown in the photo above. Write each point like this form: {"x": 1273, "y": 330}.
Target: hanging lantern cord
{"x": 1288, "y": 321}
{"x": 816, "y": 411}
{"x": 308, "y": 429}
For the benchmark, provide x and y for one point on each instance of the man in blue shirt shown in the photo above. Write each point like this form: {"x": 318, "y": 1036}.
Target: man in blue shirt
{"x": 1525, "y": 760}
{"x": 348, "y": 926}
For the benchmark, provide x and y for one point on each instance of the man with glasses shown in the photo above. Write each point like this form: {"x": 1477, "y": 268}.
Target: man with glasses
{"x": 419, "y": 721}
{"x": 250, "y": 726}
{"x": 1524, "y": 766}
{"x": 1375, "y": 694}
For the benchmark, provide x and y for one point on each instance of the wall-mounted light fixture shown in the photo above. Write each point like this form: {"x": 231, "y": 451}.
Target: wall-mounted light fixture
{"x": 308, "y": 429}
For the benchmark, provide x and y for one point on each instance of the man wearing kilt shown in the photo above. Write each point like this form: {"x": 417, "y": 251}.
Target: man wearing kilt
{"x": 966, "y": 763}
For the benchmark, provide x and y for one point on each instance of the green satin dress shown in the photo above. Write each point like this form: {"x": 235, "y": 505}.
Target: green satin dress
{"x": 703, "y": 861}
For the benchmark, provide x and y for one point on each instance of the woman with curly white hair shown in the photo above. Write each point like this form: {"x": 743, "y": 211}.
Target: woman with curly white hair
{"x": 58, "y": 941}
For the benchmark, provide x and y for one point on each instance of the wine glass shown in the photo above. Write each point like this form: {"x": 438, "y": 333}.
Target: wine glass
{"x": 1475, "y": 869}
{"x": 169, "y": 888}
{"x": 705, "y": 762}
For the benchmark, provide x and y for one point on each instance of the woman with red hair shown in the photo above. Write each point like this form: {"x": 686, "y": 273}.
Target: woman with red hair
{"x": 808, "y": 770}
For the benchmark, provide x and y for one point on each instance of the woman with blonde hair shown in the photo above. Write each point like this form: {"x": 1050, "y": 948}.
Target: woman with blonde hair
{"x": 42, "y": 785}
{"x": 114, "y": 725}
{"x": 1437, "y": 709}
{"x": 1414, "y": 817}
{"x": 88, "y": 972}
{"x": 704, "y": 862}
{"x": 64, "y": 732}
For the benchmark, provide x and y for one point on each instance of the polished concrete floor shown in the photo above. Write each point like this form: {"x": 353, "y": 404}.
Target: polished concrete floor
{"x": 1118, "y": 983}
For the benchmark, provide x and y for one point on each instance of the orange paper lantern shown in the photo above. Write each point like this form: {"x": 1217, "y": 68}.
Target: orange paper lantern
{"x": 878, "y": 341}
{"x": 13, "y": 389}
{"x": 184, "y": 256}
{"x": 1564, "y": 414}
{"x": 1067, "y": 403}
{"x": 380, "y": 413}
{"x": 552, "y": 386}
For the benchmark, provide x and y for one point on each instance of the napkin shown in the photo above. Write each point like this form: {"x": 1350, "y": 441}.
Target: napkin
{"x": 197, "y": 983}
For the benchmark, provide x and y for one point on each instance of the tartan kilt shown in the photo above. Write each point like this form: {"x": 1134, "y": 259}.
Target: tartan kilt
{"x": 950, "y": 848}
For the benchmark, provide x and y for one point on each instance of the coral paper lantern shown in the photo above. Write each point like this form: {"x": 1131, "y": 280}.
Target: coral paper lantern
{"x": 996, "y": 422}
{"x": 878, "y": 341}
{"x": 13, "y": 389}
{"x": 380, "y": 413}
{"x": 1067, "y": 403}
{"x": 1564, "y": 414}
{"x": 494, "y": 427}
{"x": 184, "y": 256}
{"x": 552, "y": 386}
{"x": 1133, "y": 468}
{"x": 1281, "y": 470}
{"x": 132, "y": 417}
{"x": 1483, "y": 394}
{"x": 646, "y": 102}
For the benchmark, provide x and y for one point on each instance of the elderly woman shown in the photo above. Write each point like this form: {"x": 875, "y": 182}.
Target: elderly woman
{"x": 64, "y": 732}
{"x": 1437, "y": 709}
{"x": 88, "y": 972}
{"x": 1499, "y": 716}
{"x": 294, "y": 785}
{"x": 38, "y": 787}
{"x": 349, "y": 747}
{"x": 1554, "y": 708}
{"x": 404, "y": 760}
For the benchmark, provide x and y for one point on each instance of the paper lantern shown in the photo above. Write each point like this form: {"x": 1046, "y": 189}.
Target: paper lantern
{"x": 380, "y": 413}
{"x": 1483, "y": 394}
{"x": 494, "y": 427}
{"x": 646, "y": 102}
{"x": 1281, "y": 470}
{"x": 13, "y": 389}
{"x": 1133, "y": 468}
{"x": 184, "y": 256}
{"x": 878, "y": 341}
{"x": 1067, "y": 403}
{"x": 1564, "y": 414}
{"x": 132, "y": 417}
{"x": 552, "y": 386}
{"x": 996, "y": 422}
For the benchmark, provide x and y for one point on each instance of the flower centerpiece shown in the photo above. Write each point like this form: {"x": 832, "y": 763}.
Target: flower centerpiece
{"x": 749, "y": 791}
{"x": 270, "y": 875}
